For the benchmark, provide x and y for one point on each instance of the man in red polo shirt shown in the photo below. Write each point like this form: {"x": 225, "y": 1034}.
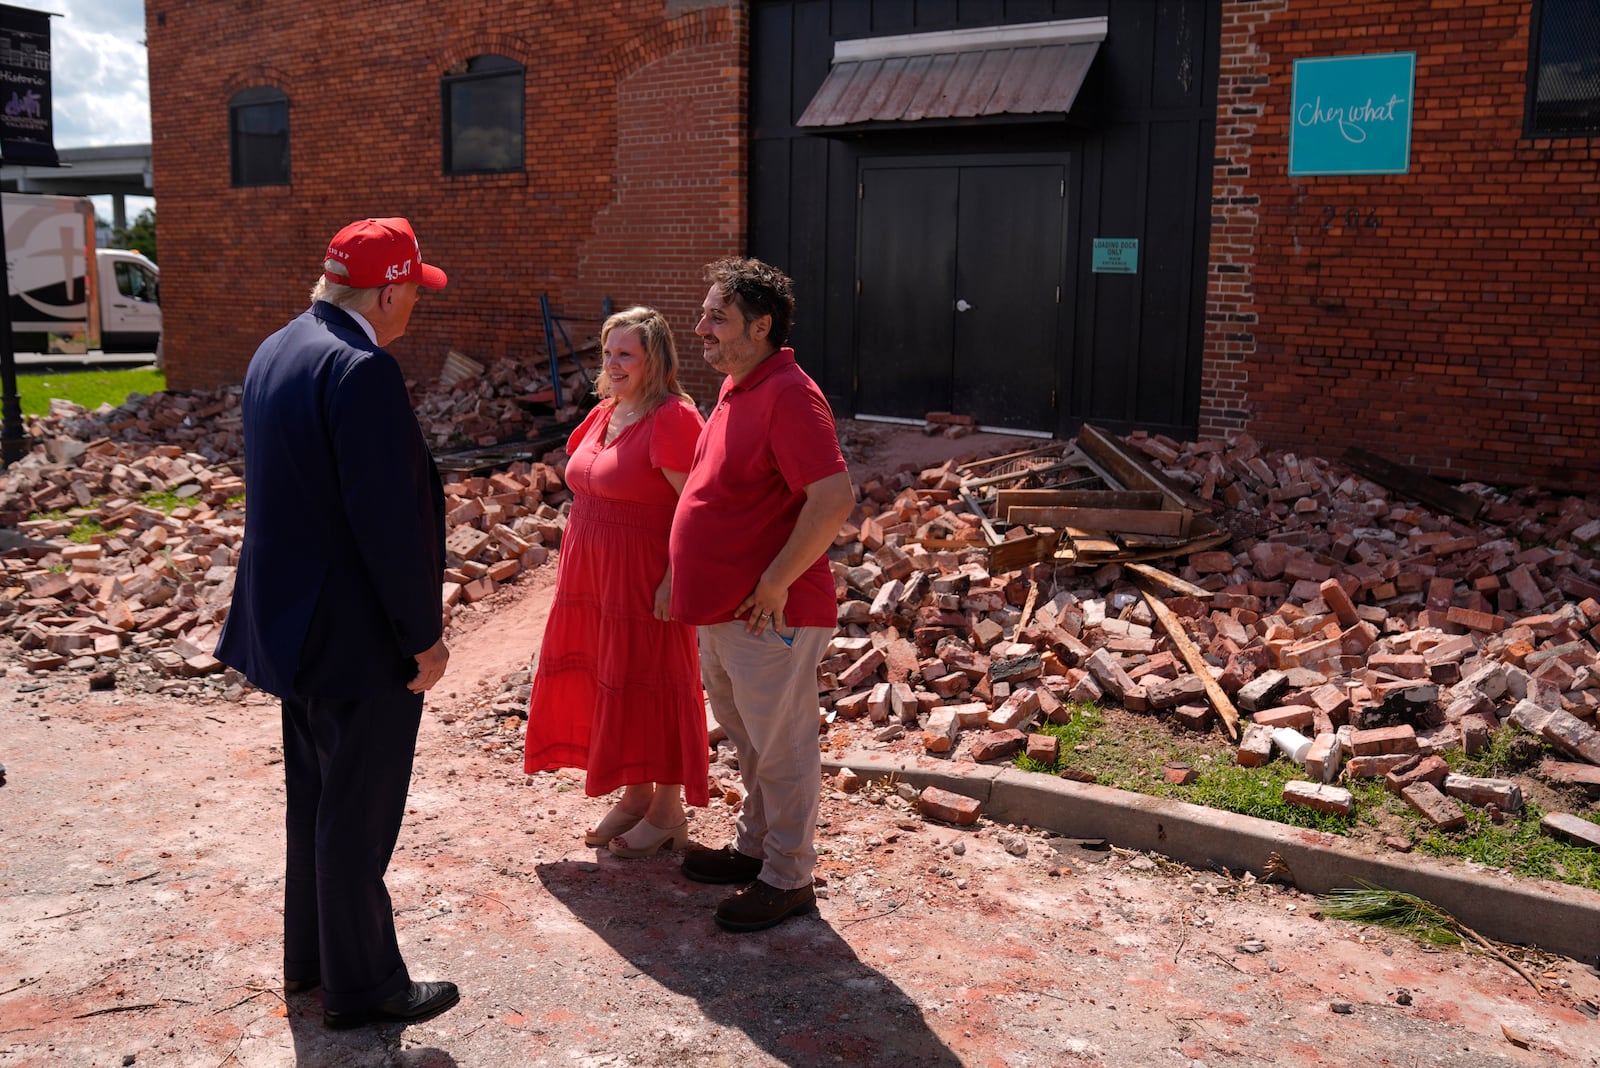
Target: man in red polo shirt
{"x": 765, "y": 498}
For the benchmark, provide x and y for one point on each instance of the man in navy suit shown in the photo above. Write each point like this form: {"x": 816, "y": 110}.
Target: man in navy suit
{"x": 336, "y": 610}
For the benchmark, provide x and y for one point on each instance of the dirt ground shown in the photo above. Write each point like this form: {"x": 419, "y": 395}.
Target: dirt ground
{"x": 142, "y": 879}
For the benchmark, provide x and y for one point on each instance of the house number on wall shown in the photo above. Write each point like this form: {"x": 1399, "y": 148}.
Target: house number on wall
{"x": 1351, "y": 218}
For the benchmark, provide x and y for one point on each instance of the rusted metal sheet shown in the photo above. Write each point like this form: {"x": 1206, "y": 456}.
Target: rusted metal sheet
{"x": 1015, "y": 80}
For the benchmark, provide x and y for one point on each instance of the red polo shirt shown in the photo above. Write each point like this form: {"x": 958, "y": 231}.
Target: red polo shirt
{"x": 769, "y": 437}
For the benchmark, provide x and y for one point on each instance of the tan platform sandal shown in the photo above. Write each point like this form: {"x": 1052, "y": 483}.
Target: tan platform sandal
{"x": 658, "y": 838}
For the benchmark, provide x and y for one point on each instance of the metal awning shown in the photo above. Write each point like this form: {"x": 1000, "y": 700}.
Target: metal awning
{"x": 1034, "y": 68}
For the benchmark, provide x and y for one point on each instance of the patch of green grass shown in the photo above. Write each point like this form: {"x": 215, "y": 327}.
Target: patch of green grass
{"x": 1138, "y": 763}
{"x": 85, "y": 531}
{"x": 1508, "y": 754}
{"x": 88, "y": 388}
{"x": 165, "y": 502}
{"x": 1517, "y": 846}
{"x": 1134, "y": 759}
{"x": 1085, "y": 725}
{"x": 1257, "y": 792}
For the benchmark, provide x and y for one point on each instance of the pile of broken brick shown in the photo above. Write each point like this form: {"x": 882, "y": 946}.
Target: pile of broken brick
{"x": 100, "y": 578}
{"x": 1361, "y": 635}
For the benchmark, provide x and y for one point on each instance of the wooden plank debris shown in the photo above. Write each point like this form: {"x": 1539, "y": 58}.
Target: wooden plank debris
{"x": 1067, "y": 498}
{"x": 1414, "y": 484}
{"x": 989, "y": 533}
{"x": 1122, "y": 520}
{"x": 1196, "y": 663}
{"x": 1146, "y": 573}
{"x": 1134, "y": 513}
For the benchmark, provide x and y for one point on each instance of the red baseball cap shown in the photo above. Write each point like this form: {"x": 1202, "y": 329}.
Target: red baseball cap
{"x": 381, "y": 252}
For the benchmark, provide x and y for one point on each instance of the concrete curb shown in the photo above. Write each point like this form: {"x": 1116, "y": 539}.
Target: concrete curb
{"x": 1556, "y": 917}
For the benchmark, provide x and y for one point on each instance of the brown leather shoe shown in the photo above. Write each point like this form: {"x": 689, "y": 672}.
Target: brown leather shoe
{"x": 725, "y": 865}
{"x": 300, "y": 986}
{"x": 761, "y": 905}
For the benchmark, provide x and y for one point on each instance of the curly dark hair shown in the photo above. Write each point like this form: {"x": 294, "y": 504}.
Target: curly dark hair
{"x": 758, "y": 289}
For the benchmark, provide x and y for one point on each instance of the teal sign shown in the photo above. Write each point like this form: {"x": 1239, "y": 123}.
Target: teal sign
{"x": 1352, "y": 114}
{"x": 1116, "y": 255}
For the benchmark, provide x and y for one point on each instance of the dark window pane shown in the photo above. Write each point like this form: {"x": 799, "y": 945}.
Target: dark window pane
{"x": 483, "y": 116}
{"x": 1566, "y": 68}
{"x": 486, "y": 63}
{"x": 259, "y": 137}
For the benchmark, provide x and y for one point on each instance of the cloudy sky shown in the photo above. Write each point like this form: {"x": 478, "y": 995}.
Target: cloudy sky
{"x": 99, "y": 76}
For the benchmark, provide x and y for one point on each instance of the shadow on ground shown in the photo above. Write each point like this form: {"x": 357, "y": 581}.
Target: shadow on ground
{"x": 377, "y": 1046}
{"x": 798, "y": 991}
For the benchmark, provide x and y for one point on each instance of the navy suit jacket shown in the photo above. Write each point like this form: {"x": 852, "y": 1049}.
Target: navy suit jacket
{"x": 338, "y": 585}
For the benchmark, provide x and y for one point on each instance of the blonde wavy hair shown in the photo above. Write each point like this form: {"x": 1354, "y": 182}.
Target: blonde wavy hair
{"x": 661, "y": 354}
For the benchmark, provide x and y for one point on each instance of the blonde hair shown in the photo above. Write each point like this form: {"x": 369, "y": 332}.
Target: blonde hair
{"x": 661, "y": 355}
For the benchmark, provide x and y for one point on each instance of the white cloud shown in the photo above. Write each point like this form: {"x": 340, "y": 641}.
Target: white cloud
{"x": 99, "y": 74}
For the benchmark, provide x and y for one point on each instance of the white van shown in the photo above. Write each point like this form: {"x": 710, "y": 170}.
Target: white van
{"x": 130, "y": 301}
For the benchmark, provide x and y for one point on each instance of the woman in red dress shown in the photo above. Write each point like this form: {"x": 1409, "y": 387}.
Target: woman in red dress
{"x": 617, "y": 690}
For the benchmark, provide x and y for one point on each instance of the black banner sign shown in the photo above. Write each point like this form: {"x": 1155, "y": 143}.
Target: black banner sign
{"x": 26, "y": 137}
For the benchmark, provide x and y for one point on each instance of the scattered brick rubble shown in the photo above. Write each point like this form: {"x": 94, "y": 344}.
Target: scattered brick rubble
{"x": 1385, "y": 633}
{"x": 1361, "y": 634}
{"x": 150, "y": 588}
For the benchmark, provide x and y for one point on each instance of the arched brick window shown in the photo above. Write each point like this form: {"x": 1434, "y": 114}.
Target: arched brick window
{"x": 258, "y": 136}
{"x": 483, "y": 100}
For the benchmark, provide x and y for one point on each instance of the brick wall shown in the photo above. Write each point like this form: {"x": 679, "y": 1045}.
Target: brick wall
{"x": 633, "y": 178}
{"x": 1455, "y": 326}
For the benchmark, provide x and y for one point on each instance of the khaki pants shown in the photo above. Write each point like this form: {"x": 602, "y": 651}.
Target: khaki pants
{"x": 764, "y": 694}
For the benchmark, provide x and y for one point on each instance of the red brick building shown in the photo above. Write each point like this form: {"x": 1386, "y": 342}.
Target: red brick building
{"x": 1442, "y": 313}
{"x": 1447, "y": 317}
{"x": 630, "y": 175}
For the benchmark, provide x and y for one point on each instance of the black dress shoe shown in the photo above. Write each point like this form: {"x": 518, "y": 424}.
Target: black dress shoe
{"x": 420, "y": 1001}
{"x": 761, "y": 905}
{"x": 725, "y": 865}
{"x": 300, "y": 986}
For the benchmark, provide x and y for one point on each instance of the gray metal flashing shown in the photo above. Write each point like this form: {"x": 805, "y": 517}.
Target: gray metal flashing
{"x": 1059, "y": 31}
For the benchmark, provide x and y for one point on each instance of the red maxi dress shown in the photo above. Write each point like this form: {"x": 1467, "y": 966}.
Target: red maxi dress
{"x": 617, "y": 691}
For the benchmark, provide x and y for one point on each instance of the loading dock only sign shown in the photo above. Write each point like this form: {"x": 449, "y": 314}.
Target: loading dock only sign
{"x": 1352, "y": 114}
{"x": 1116, "y": 255}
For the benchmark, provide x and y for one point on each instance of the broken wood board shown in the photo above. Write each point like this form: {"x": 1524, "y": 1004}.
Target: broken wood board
{"x": 1121, "y": 520}
{"x": 944, "y": 544}
{"x": 1143, "y": 500}
{"x": 1172, "y": 582}
{"x": 1092, "y": 541}
{"x": 1129, "y": 555}
{"x": 1005, "y": 500}
{"x": 1031, "y": 472}
{"x": 1018, "y": 553}
{"x": 1123, "y": 467}
{"x": 1054, "y": 449}
{"x": 1196, "y": 661}
{"x": 482, "y": 459}
{"x": 989, "y": 533}
{"x": 1416, "y": 485}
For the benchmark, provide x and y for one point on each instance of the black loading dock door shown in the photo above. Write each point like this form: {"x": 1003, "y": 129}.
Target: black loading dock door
{"x": 959, "y": 290}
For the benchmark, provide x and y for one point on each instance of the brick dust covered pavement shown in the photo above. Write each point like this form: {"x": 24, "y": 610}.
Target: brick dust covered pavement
{"x": 139, "y": 923}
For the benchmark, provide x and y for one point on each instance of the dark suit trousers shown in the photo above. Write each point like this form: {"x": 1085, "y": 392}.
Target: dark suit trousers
{"x": 347, "y": 765}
